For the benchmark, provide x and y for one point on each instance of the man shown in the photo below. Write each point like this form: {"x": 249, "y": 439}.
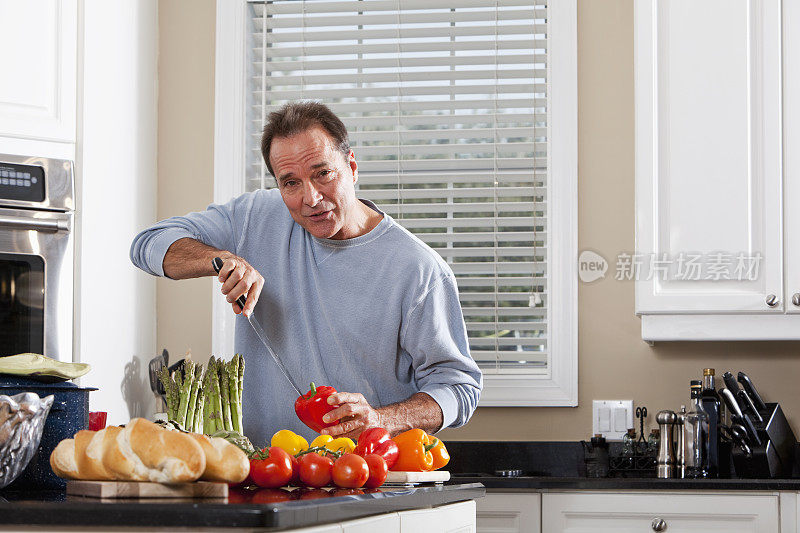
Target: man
{"x": 347, "y": 296}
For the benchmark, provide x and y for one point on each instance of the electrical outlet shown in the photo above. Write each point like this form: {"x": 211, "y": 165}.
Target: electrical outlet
{"x": 612, "y": 418}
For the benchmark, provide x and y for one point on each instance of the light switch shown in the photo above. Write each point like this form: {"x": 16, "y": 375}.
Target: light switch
{"x": 612, "y": 418}
{"x": 605, "y": 420}
{"x": 620, "y": 422}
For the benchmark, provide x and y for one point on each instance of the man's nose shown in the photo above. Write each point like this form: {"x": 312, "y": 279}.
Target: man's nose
{"x": 311, "y": 195}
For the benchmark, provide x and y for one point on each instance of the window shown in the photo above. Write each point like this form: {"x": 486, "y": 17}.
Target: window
{"x": 451, "y": 109}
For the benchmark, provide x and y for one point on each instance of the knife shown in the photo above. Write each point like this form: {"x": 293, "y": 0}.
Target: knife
{"x": 730, "y": 401}
{"x": 731, "y": 383}
{"x": 747, "y": 405}
{"x": 217, "y": 263}
{"x": 747, "y": 383}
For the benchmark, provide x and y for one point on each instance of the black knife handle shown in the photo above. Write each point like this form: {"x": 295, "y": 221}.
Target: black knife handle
{"x": 748, "y": 386}
{"x": 217, "y": 264}
{"x": 730, "y": 401}
{"x": 730, "y": 382}
{"x": 747, "y": 406}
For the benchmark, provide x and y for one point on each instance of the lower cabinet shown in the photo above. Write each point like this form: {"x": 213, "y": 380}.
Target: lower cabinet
{"x": 509, "y": 512}
{"x": 669, "y": 512}
{"x": 452, "y": 518}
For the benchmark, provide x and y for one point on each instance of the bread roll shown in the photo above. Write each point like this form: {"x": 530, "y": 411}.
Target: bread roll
{"x": 62, "y": 460}
{"x": 141, "y": 451}
{"x": 224, "y": 461}
{"x": 89, "y": 446}
{"x": 151, "y": 453}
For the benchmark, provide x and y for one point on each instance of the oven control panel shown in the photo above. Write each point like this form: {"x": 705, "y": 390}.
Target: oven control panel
{"x": 21, "y": 182}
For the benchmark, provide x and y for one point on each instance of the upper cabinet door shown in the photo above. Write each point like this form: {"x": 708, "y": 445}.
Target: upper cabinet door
{"x": 39, "y": 69}
{"x": 791, "y": 155}
{"x": 708, "y": 156}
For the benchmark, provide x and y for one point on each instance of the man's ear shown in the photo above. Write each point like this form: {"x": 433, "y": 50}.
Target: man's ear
{"x": 351, "y": 159}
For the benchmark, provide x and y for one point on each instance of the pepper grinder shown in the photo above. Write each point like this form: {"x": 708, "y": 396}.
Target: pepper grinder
{"x": 666, "y": 454}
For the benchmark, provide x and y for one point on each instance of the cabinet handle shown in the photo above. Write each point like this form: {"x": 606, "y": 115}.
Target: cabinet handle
{"x": 772, "y": 300}
{"x": 796, "y": 299}
{"x": 659, "y": 524}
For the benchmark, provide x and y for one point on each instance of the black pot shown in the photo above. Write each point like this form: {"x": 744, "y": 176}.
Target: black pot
{"x": 68, "y": 415}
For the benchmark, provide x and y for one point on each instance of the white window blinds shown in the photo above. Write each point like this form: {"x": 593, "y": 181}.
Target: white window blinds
{"x": 447, "y": 113}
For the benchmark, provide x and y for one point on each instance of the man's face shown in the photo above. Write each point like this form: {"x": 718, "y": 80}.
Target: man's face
{"x": 317, "y": 183}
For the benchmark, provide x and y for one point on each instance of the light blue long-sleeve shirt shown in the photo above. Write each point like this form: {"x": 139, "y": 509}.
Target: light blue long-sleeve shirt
{"x": 377, "y": 314}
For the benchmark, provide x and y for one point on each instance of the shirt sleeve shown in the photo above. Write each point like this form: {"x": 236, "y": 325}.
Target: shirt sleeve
{"x": 215, "y": 227}
{"x": 435, "y": 336}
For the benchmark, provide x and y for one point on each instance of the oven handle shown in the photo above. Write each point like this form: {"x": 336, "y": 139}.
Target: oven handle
{"x": 37, "y": 224}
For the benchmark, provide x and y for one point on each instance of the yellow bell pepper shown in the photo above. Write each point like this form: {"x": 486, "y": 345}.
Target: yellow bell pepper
{"x": 289, "y": 441}
{"x": 342, "y": 444}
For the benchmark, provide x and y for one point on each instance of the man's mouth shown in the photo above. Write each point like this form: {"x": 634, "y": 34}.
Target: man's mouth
{"x": 322, "y": 215}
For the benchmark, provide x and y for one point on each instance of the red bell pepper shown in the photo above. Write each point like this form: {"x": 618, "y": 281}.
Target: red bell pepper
{"x": 377, "y": 440}
{"x": 313, "y": 405}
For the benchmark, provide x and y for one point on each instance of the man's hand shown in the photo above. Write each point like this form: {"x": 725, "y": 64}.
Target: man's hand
{"x": 238, "y": 278}
{"x": 355, "y": 415}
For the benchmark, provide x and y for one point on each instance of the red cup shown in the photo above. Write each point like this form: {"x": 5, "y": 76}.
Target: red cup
{"x": 97, "y": 420}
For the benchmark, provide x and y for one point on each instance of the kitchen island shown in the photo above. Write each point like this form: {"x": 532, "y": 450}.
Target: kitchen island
{"x": 403, "y": 506}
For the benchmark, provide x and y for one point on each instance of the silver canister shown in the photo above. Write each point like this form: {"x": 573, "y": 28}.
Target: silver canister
{"x": 665, "y": 463}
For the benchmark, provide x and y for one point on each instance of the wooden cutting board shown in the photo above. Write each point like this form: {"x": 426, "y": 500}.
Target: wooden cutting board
{"x": 143, "y": 489}
{"x": 437, "y": 476}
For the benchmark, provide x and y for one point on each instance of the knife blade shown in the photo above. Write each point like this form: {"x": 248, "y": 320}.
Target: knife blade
{"x": 748, "y": 386}
{"x": 217, "y": 263}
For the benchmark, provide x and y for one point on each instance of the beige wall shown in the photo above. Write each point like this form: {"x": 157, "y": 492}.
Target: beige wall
{"x": 185, "y": 160}
{"x": 614, "y": 363}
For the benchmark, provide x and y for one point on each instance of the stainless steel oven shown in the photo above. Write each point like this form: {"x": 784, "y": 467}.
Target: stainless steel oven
{"x": 36, "y": 256}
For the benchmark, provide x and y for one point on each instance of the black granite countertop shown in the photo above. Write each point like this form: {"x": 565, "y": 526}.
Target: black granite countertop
{"x": 267, "y": 508}
{"x": 640, "y": 484}
{"x": 560, "y": 466}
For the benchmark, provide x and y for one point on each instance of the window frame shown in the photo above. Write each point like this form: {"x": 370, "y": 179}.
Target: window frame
{"x": 560, "y": 387}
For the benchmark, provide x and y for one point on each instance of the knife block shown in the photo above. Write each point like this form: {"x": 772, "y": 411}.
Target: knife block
{"x": 774, "y": 458}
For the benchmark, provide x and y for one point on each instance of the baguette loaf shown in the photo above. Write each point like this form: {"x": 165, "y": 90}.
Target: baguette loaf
{"x": 141, "y": 451}
{"x": 224, "y": 461}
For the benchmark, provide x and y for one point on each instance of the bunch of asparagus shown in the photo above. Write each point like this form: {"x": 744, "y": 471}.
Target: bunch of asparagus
{"x": 206, "y": 400}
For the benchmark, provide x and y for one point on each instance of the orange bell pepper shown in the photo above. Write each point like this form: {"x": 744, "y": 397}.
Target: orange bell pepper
{"x": 440, "y": 455}
{"x": 415, "y": 451}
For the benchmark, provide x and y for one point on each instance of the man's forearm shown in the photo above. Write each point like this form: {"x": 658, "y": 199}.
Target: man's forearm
{"x": 418, "y": 411}
{"x": 189, "y": 258}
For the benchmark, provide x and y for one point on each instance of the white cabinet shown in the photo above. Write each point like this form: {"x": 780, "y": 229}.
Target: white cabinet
{"x": 711, "y": 235}
{"x": 791, "y": 156}
{"x": 385, "y": 523}
{"x": 670, "y": 512}
{"x": 452, "y": 518}
{"x": 509, "y": 512}
{"x": 39, "y": 70}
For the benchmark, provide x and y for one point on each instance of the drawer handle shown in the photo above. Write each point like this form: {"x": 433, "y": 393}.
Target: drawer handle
{"x": 659, "y": 524}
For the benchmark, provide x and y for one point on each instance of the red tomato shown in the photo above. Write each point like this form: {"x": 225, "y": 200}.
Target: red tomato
{"x": 315, "y": 470}
{"x": 272, "y": 470}
{"x": 378, "y": 470}
{"x": 271, "y": 496}
{"x": 350, "y": 471}
{"x": 295, "y": 481}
